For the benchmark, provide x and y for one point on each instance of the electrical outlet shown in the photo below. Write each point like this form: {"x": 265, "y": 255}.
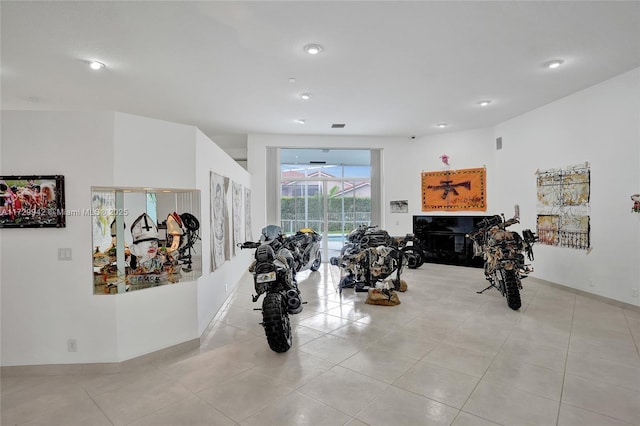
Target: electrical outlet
{"x": 591, "y": 283}
{"x": 634, "y": 292}
{"x": 72, "y": 345}
{"x": 226, "y": 287}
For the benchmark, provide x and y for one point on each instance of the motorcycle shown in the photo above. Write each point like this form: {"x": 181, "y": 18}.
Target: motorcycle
{"x": 273, "y": 276}
{"x": 304, "y": 245}
{"x": 368, "y": 257}
{"x": 504, "y": 265}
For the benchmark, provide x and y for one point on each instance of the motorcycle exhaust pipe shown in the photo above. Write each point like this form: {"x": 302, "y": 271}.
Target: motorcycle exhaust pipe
{"x": 294, "y": 304}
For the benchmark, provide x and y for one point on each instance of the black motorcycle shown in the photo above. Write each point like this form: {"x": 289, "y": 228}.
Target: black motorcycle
{"x": 304, "y": 245}
{"x": 504, "y": 265}
{"x": 273, "y": 276}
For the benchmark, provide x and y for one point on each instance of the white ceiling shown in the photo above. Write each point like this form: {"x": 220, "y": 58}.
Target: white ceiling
{"x": 391, "y": 68}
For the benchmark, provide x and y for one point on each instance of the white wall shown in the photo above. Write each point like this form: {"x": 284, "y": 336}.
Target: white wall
{"x": 466, "y": 150}
{"x": 599, "y": 125}
{"x": 403, "y": 161}
{"x": 211, "y": 288}
{"x": 46, "y": 301}
{"x": 155, "y": 154}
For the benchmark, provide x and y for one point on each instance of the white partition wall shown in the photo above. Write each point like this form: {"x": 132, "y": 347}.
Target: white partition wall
{"x": 47, "y": 302}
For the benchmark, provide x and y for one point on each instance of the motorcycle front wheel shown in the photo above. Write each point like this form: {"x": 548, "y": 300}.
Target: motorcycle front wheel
{"x": 513, "y": 289}
{"x": 316, "y": 263}
{"x": 275, "y": 321}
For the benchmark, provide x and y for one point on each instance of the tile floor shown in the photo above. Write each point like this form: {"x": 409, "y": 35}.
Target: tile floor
{"x": 445, "y": 356}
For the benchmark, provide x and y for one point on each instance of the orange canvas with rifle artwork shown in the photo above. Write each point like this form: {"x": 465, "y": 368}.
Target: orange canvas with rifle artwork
{"x": 454, "y": 190}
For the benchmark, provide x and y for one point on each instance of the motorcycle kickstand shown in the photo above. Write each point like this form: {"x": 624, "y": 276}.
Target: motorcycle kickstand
{"x": 480, "y": 292}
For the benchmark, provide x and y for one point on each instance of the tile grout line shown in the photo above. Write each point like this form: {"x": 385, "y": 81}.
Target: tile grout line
{"x": 566, "y": 361}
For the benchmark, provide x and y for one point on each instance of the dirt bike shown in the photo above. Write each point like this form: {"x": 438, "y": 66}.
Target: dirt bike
{"x": 304, "y": 245}
{"x": 273, "y": 276}
{"x": 504, "y": 265}
{"x": 368, "y": 257}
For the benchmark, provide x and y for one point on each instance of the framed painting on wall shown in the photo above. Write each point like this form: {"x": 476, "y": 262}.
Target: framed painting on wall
{"x": 563, "y": 206}
{"x": 399, "y": 206}
{"x": 32, "y": 201}
{"x": 454, "y": 190}
{"x": 220, "y": 238}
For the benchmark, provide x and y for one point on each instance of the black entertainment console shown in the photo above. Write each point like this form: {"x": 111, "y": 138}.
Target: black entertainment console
{"x": 443, "y": 239}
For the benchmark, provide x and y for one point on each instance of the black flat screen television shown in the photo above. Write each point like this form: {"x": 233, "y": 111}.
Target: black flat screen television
{"x": 443, "y": 239}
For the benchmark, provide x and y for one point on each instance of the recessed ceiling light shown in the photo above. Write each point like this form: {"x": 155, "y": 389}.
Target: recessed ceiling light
{"x": 554, "y": 63}
{"x": 484, "y": 102}
{"x": 306, "y": 96}
{"x": 95, "y": 65}
{"x": 442, "y": 125}
{"x": 299, "y": 121}
{"x": 313, "y": 49}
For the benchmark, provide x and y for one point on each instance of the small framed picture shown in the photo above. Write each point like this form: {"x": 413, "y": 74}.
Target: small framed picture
{"x": 400, "y": 206}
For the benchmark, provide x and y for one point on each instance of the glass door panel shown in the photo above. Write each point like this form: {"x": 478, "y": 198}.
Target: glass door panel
{"x": 349, "y": 206}
{"x": 330, "y": 199}
{"x": 301, "y": 206}
{"x": 337, "y": 204}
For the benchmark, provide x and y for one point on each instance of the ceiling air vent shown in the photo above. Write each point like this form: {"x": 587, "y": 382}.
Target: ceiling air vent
{"x": 337, "y": 126}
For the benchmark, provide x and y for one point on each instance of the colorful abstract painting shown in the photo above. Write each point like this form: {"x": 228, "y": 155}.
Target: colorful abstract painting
{"x": 454, "y": 190}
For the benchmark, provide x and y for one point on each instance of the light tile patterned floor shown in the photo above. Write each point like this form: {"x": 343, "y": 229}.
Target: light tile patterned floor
{"x": 444, "y": 356}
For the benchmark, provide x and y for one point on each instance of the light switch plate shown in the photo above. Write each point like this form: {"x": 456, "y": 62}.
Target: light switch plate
{"x": 64, "y": 254}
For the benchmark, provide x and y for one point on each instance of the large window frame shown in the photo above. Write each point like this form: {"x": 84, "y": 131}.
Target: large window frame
{"x": 322, "y": 184}
{"x": 272, "y": 187}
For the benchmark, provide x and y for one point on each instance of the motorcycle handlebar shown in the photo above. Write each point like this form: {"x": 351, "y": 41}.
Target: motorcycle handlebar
{"x": 510, "y": 222}
{"x": 490, "y": 221}
{"x": 248, "y": 245}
